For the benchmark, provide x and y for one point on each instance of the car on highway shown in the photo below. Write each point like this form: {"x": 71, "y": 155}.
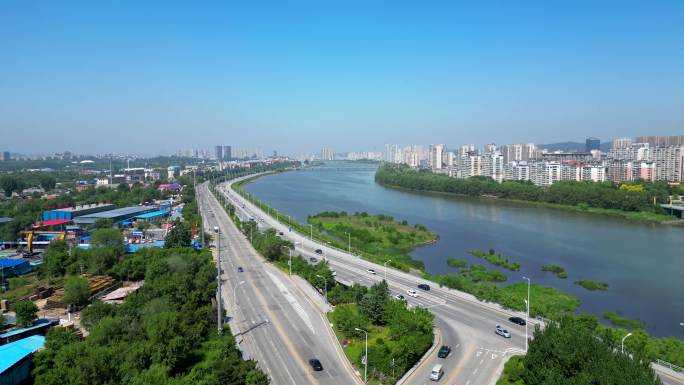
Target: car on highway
{"x": 333, "y": 273}
{"x": 517, "y": 320}
{"x": 436, "y": 372}
{"x": 444, "y": 351}
{"x": 502, "y": 332}
{"x": 424, "y": 287}
{"x": 318, "y": 251}
{"x": 316, "y": 364}
{"x": 240, "y": 269}
{"x": 412, "y": 293}
{"x": 216, "y": 229}
{"x": 313, "y": 260}
{"x": 400, "y": 297}
{"x": 281, "y": 233}
{"x": 371, "y": 271}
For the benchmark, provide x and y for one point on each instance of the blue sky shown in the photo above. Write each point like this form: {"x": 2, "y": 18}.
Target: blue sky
{"x": 154, "y": 77}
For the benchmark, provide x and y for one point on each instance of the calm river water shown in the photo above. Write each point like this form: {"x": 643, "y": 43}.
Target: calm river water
{"x": 642, "y": 263}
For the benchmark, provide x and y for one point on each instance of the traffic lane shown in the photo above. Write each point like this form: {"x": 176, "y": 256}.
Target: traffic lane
{"x": 263, "y": 341}
{"x": 270, "y": 342}
{"x": 308, "y": 344}
{"x": 450, "y": 338}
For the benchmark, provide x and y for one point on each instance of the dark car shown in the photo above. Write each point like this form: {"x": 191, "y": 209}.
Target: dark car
{"x": 240, "y": 269}
{"x": 444, "y": 351}
{"x": 313, "y": 260}
{"x": 319, "y": 251}
{"x": 424, "y": 287}
{"x": 281, "y": 233}
{"x": 517, "y": 320}
{"x": 316, "y": 364}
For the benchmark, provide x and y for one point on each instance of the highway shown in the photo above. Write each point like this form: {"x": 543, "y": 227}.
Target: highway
{"x": 276, "y": 322}
{"x": 465, "y": 323}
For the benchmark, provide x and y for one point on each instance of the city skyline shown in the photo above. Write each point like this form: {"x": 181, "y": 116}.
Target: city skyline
{"x": 298, "y": 78}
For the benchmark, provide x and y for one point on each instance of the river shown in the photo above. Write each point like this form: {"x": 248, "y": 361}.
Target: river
{"x": 642, "y": 263}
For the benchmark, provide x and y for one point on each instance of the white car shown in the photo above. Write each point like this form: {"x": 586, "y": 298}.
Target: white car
{"x": 502, "y": 332}
{"x": 412, "y": 293}
{"x": 371, "y": 271}
{"x": 333, "y": 272}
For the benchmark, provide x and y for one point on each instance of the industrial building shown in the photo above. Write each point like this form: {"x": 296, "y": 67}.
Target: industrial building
{"x": 15, "y": 359}
{"x": 116, "y": 215}
{"x": 76, "y": 211}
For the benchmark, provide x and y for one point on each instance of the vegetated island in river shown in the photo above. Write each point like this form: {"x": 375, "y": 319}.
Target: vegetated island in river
{"x": 632, "y": 201}
{"x": 558, "y": 271}
{"x": 592, "y": 285}
{"x": 379, "y": 237}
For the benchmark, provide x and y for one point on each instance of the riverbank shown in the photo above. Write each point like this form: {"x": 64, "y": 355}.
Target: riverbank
{"x": 644, "y": 217}
{"x": 632, "y": 202}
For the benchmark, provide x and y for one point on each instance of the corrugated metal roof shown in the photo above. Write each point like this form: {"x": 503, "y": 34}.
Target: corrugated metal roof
{"x": 153, "y": 214}
{"x": 15, "y": 351}
{"x": 39, "y": 323}
{"x": 53, "y": 222}
{"x": 11, "y": 262}
{"x": 124, "y": 211}
{"x": 5, "y": 220}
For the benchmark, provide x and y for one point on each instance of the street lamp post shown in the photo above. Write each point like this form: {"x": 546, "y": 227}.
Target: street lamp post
{"x": 365, "y": 369}
{"x": 219, "y": 319}
{"x": 349, "y": 247}
{"x": 325, "y": 287}
{"x": 385, "y": 264}
{"x": 311, "y": 233}
{"x": 290, "y": 264}
{"x": 527, "y": 315}
{"x": 622, "y": 344}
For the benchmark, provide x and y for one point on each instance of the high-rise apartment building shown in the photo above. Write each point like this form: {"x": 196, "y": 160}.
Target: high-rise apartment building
{"x": 662, "y": 141}
{"x": 227, "y": 152}
{"x": 622, "y": 143}
{"x": 218, "y": 152}
{"x": 436, "y": 155}
{"x": 517, "y": 152}
{"x": 5, "y": 156}
{"x": 327, "y": 154}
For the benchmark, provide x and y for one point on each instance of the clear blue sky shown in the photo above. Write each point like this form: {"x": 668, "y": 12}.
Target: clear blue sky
{"x": 98, "y": 76}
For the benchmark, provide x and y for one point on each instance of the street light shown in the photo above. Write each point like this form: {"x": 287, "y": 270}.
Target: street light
{"x": 385, "y": 264}
{"x": 527, "y": 316}
{"x": 623, "y": 342}
{"x": 311, "y": 233}
{"x": 325, "y": 287}
{"x": 219, "y": 318}
{"x": 365, "y": 369}
{"x": 349, "y": 236}
{"x": 289, "y": 251}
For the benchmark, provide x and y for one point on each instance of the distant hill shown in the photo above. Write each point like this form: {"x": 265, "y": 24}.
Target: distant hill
{"x": 571, "y": 146}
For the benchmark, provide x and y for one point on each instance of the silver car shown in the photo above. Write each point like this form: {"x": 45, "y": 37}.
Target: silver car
{"x": 502, "y": 332}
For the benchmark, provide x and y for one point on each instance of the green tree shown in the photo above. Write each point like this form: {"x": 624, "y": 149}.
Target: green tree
{"x": 26, "y": 312}
{"x": 47, "y": 182}
{"x": 91, "y": 315}
{"x": 103, "y": 223}
{"x": 373, "y": 303}
{"x": 108, "y": 238}
{"x": 569, "y": 352}
{"x": 10, "y": 184}
{"x": 179, "y": 236}
{"x": 56, "y": 259}
{"x": 76, "y": 291}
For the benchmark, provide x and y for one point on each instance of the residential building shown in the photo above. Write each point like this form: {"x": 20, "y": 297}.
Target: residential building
{"x": 662, "y": 141}
{"x": 327, "y": 154}
{"x": 436, "y": 155}
{"x": 218, "y": 152}
{"x": 227, "y": 153}
{"x": 622, "y": 143}
{"x": 5, "y": 156}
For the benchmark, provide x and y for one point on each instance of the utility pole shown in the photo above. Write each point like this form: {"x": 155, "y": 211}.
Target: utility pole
{"x": 365, "y": 369}
{"x": 527, "y": 316}
{"x": 218, "y": 280}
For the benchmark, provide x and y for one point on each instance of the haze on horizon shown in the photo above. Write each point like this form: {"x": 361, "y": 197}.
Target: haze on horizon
{"x": 152, "y": 78}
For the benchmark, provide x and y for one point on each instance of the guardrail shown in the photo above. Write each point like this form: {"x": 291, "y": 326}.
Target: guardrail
{"x": 670, "y": 366}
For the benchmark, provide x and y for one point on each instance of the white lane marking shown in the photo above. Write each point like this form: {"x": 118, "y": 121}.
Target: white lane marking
{"x": 475, "y": 371}
{"x": 481, "y": 361}
{"x": 292, "y": 300}
{"x": 478, "y": 354}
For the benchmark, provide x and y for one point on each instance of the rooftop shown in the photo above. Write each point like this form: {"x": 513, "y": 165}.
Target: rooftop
{"x": 15, "y": 351}
{"x": 38, "y": 324}
{"x": 5, "y": 220}
{"x": 11, "y": 262}
{"x": 117, "y": 212}
{"x": 83, "y": 207}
